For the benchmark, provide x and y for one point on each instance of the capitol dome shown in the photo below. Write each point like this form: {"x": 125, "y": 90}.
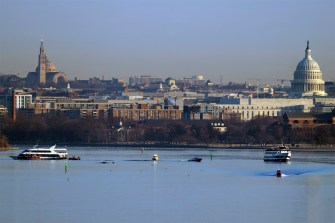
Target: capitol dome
{"x": 308, "y": 77}
{"x": 308, "y": 64}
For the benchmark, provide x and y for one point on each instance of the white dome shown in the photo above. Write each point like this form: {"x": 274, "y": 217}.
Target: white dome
{"x": 308, "y": 77}
{"x": 307, "y": 64}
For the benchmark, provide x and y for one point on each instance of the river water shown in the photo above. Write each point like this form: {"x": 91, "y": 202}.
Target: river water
{"x": 124, "y": 185}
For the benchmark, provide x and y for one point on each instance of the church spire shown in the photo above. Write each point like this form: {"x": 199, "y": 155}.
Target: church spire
{"x": 42, "y": 47}
{"x": 41, "y": 65}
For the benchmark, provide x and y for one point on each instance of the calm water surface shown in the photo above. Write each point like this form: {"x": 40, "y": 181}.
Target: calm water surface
{"x": 227, "y": 186}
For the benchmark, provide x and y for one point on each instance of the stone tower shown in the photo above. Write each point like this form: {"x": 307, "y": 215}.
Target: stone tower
{"x": 41, "y": 65}
{"x": 45, "y": 72}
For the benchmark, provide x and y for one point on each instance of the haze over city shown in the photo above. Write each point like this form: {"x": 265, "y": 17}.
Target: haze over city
{"x": 238, "y": 40}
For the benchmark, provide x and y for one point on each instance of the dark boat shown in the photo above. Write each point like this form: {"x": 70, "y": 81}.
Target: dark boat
{"x": 278, "y": 173}
{"x": 74, "y": 158}
{"x": 195, "y": 159}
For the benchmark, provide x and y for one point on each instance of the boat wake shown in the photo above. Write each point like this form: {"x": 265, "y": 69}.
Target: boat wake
{"x": 299, "y": 171}
{"x": 138, "y": 160}
{"x": 273, "y": 173}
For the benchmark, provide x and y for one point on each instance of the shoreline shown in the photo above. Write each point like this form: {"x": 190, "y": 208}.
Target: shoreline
{"x": 9, "y": 148}
{"x": 165, "y": 146}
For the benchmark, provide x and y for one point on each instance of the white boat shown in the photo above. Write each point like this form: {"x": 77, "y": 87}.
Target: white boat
{"x": 155, "y": 157}
{"x": 36, "y": 153}
{"x": 281, "y": 153}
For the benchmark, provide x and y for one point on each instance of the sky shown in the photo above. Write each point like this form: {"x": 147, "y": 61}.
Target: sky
{"x": 228, "y": 40}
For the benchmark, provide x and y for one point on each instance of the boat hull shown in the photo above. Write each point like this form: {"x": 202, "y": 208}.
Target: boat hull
{"x": 74, "y": 158}
{"x": 277, "y": 159}
{"x": 37, "y": 158}
{"x": 195, "y": 160}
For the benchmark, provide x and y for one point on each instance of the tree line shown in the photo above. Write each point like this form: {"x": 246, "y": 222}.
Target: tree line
{"x": 60, "y": 129}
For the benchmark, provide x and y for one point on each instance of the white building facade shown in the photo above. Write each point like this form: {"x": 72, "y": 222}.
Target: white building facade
{"x": 249, "y": 108}
{"x": 23, "y": 100}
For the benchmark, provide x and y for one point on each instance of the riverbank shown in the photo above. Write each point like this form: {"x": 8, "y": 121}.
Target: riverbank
{"x": 157, "y": 146}
{"x": 300, "y": 147}
{"x": 8, "y": 148}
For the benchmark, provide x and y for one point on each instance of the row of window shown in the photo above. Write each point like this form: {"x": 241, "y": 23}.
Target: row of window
{"x": 133, "y": 114}
{"x": 250, "y": 107}
{"x": 81, "y": 106}
{"x": 259, "y": 113}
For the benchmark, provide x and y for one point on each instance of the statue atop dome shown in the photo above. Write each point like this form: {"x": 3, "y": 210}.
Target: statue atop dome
{"x": 308, "y": 52}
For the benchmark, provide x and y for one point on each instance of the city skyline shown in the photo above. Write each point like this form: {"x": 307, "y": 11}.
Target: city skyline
{"x": 240, "y": 41}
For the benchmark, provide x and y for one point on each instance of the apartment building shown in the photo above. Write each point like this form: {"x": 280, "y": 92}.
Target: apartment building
{"x": 3, "y": 112}
{"x": 146, "y": 112}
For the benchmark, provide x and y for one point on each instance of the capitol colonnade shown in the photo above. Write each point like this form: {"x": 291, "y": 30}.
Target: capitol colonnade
{"x": 309, "y": 87}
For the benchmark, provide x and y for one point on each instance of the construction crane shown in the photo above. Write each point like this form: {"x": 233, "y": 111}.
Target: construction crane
{"x": 257, "y": 85}
{"x": 282, "y": 82}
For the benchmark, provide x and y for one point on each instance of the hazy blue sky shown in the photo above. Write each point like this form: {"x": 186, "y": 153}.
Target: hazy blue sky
{"x": 240, "y": 40}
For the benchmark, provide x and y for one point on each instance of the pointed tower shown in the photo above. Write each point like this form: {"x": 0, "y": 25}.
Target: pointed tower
{"x": 41, "y": 65}
{"x": 45, "y": 72}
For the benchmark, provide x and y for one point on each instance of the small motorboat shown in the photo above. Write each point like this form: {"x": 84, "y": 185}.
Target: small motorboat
{"x": 74, "y": 158}
{"x": 155, "y": 157}
{"x": 278, "y": 173}
{"x": 195, "y": 159}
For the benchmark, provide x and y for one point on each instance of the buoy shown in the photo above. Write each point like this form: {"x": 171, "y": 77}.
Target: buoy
{"x": 278, "y": 174}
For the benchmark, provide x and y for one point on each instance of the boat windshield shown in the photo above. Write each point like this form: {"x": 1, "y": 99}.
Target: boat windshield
{"x": 60, "y": 150}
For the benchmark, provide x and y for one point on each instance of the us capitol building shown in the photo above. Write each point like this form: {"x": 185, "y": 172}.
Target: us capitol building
{"x": 308, "y": 77}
